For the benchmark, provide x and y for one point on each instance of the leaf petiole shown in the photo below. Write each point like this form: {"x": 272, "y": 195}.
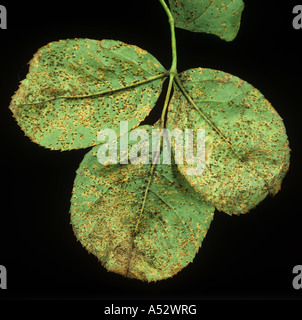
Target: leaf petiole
{"x": 172, "y": 74}
{"x": 167, "y": 99}
{"x": 162, "y": 126}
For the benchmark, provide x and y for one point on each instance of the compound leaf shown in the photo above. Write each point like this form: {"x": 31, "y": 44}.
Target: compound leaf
{"x": 148, "y": 236}
{"x": 246, "y": 146}
{"x": 77, "y": 87}
{"x": 219, "y": 17}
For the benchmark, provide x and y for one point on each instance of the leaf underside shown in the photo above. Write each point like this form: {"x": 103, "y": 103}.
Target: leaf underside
{"x": 246, "y": 146}
{"x": 77, "y": 87}
{"x": 106, "y": 206}
{"x": 218, "y": 17}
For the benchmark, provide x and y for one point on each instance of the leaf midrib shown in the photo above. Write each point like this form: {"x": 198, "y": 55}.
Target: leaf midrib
{"x": 96, "y": 95}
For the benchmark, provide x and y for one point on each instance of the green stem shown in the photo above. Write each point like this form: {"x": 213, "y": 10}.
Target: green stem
{"x": 158, "y": 148}
{"x": 172, "y": 74}
{"x": 173, "y": 38}
{"x": 173, "y": 69}
{"x": 167, "y": 99}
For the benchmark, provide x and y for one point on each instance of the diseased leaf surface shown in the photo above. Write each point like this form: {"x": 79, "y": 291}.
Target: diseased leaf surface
{"x": 219, "y": 17}
{"x": 76, "y": 87}
{"x": 249, "y": 155}
{"x": 105, "y": 210}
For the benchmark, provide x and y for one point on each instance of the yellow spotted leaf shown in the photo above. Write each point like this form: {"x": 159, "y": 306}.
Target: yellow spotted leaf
{"x": 219, "y": 17}
{"x": 246, "y": 146}
{"x": 139, "y": 222}
{"x": 77, "y": 87}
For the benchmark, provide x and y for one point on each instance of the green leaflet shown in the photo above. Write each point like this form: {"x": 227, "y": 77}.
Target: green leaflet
{"x": 219, "y": 17}
{"x": 246, "y": 146}
{"x": 76, "y": 87}
{"x": 149, "y": 241}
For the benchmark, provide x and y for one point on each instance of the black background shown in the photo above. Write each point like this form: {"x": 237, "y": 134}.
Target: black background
{"x": 248, "y": 256}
